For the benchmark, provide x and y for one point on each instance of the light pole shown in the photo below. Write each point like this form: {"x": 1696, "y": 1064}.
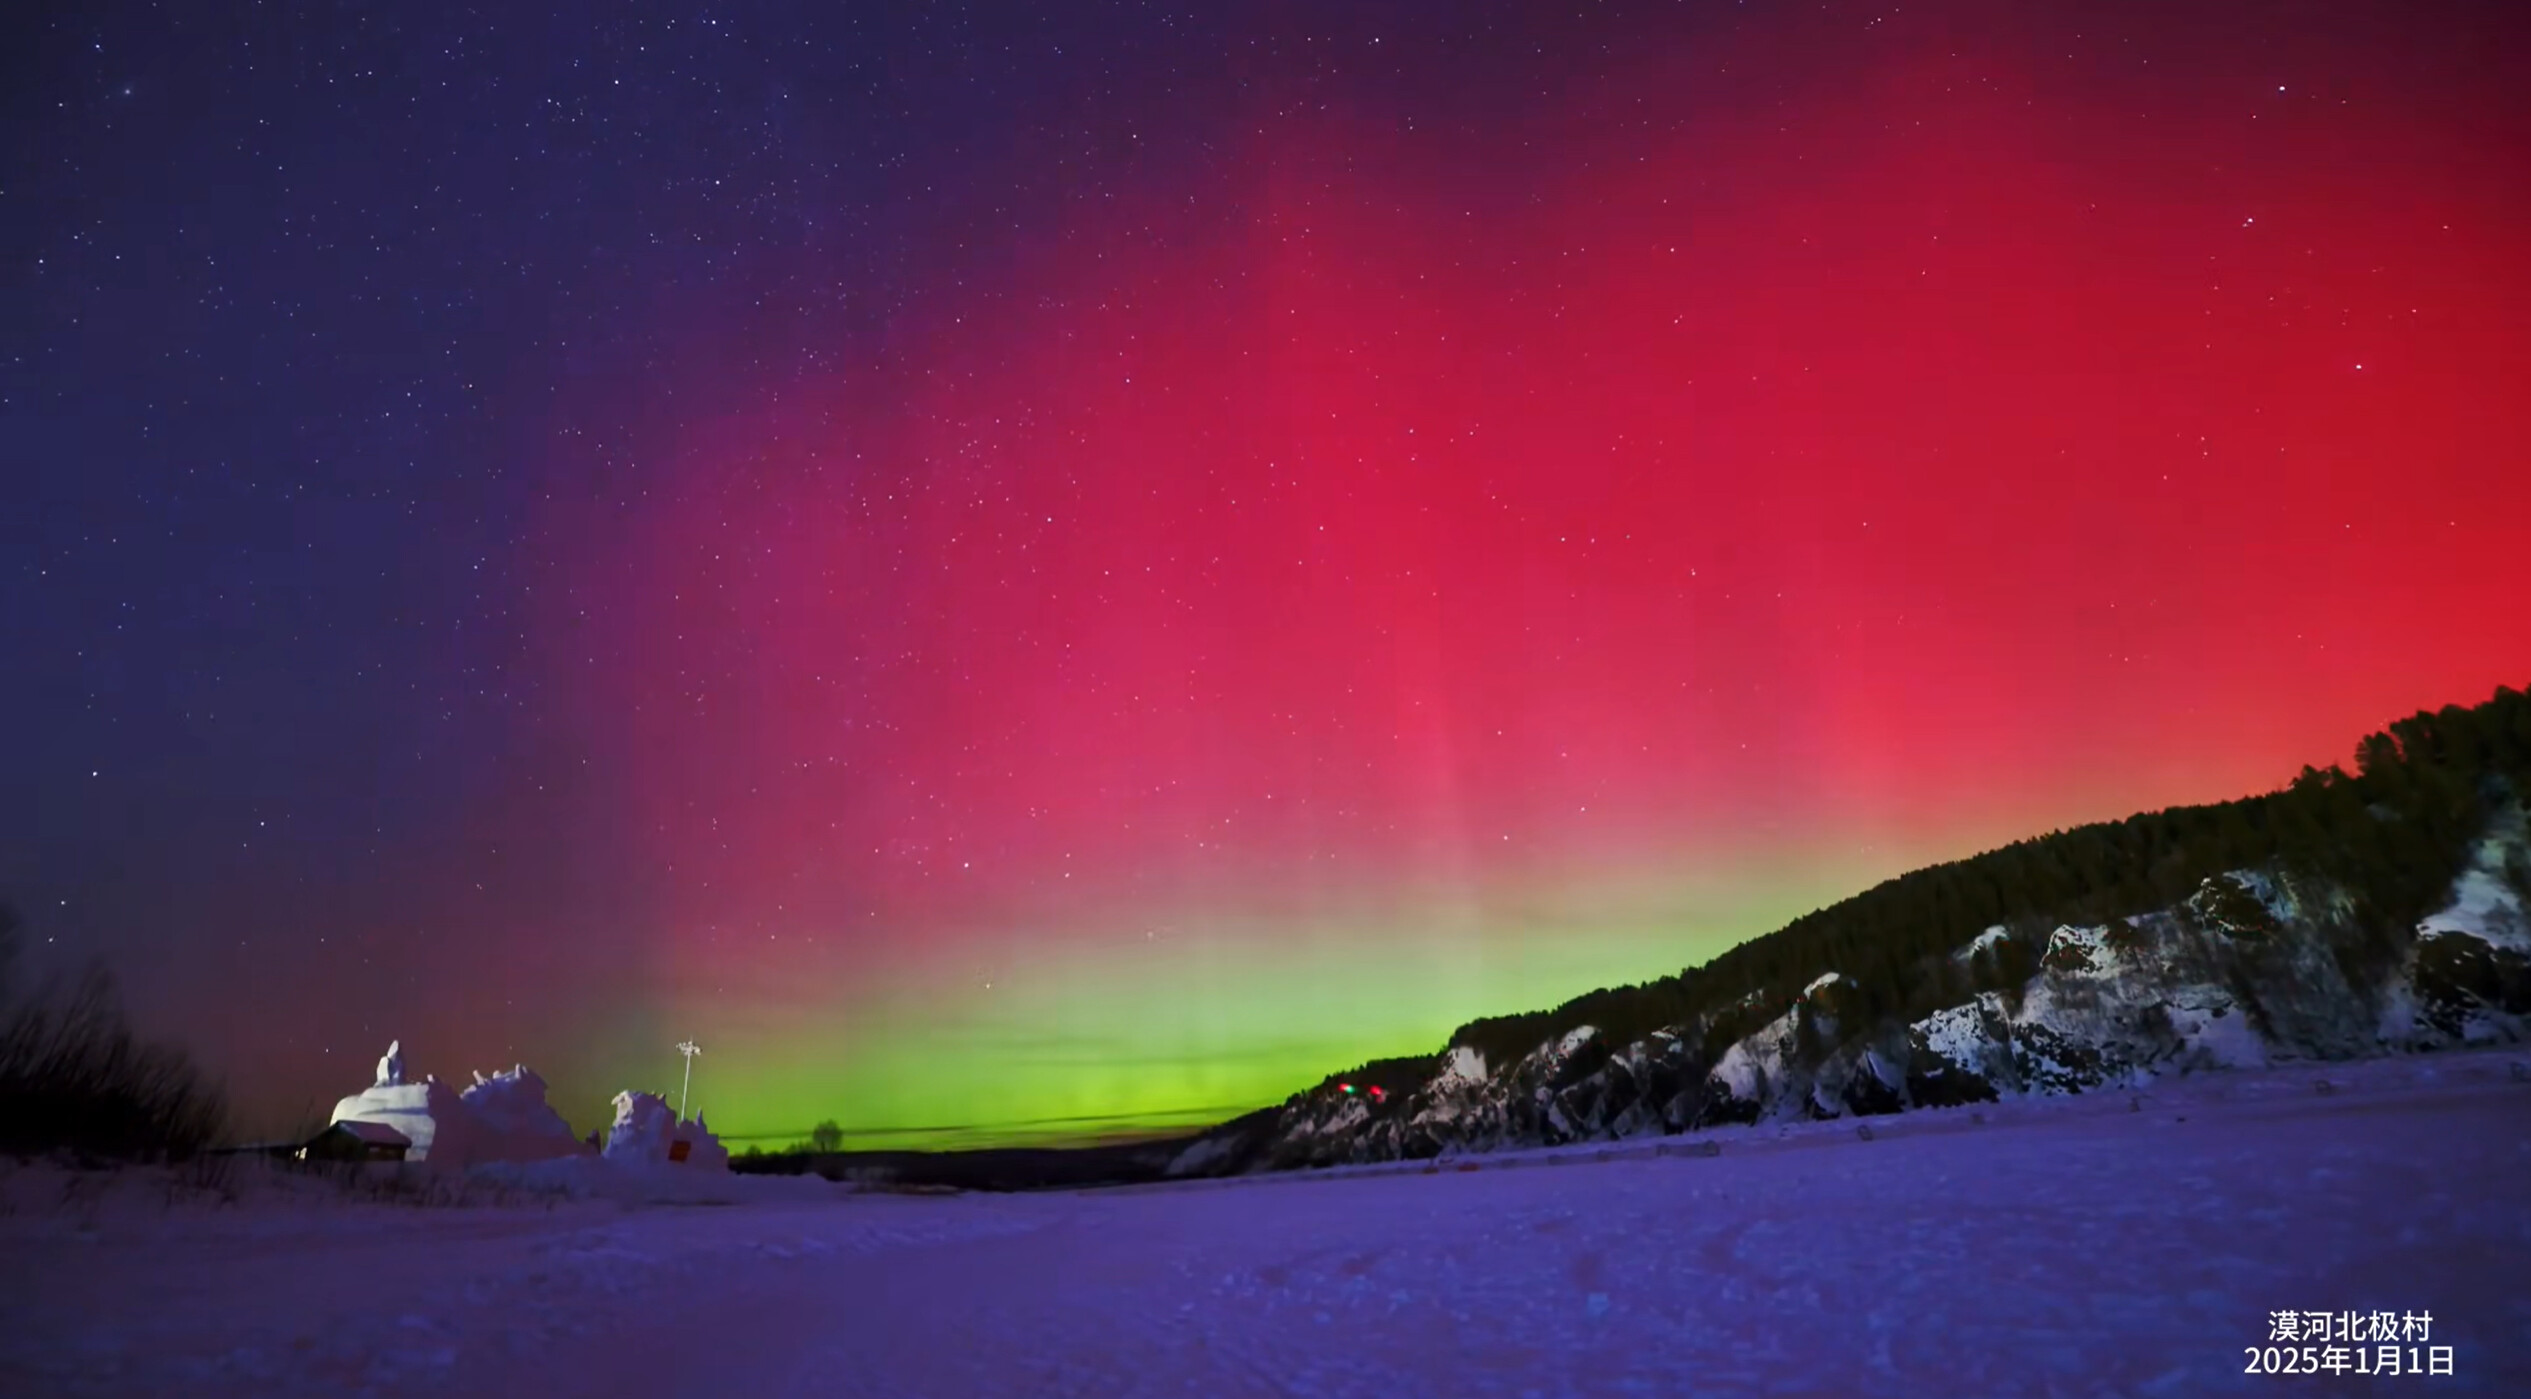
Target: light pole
{"x": 689, "y": 1049}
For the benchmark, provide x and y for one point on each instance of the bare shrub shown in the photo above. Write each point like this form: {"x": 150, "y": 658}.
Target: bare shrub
{"x": 75, "y": 1080}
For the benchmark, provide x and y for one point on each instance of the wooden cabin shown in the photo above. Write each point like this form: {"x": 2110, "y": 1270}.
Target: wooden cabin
{"x": 357, "y": 1141}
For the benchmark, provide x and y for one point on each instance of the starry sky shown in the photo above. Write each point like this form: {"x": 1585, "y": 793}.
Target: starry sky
{"x": 1023, "y": 572}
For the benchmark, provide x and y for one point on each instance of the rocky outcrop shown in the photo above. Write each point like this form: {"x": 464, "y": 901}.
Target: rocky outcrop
{"x": 2249, "y": 968}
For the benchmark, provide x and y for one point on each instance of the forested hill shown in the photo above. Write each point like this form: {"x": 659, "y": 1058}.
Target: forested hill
{"x": 2310, "y": 896}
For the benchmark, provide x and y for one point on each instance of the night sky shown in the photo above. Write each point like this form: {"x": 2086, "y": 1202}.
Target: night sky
{"x": 1031, "y": 569}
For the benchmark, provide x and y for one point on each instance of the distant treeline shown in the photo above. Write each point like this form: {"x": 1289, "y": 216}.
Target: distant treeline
{"x": 2394, "y": 834}
{"x": 992, "y": 1169}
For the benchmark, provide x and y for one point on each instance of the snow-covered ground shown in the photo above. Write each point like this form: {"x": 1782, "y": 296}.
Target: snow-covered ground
{"x": 2089, "y": 1245}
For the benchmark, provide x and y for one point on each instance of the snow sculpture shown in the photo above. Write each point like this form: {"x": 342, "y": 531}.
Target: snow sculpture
{"x": 428, "y": 1113}
{"x": 647, "y": 1133}
{"x": 704, "y": 1151}
{"x": 643, "y": 1127}
{"x": 512, "y": 1120}
{"x": 501, "y": 1118}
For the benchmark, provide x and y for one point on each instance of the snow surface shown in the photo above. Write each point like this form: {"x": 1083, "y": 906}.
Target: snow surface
{"x": 2043, "y": 1247}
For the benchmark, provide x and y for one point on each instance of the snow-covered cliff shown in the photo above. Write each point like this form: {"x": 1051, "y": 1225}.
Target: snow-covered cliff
{"x": 2252, "y": 967}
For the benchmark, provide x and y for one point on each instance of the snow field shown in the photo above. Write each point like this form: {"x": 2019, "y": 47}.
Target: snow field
{"x": 2109, "y": 1244}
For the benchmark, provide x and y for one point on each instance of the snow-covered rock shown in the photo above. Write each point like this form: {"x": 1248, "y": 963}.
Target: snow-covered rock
{"x": 1753, "y": 1064}
{"x": 1207, "y": 1156}
{"x": 1982, "y": 942}
{"x": 1462, "y": 1066}
{"x": 2486, "y": 904}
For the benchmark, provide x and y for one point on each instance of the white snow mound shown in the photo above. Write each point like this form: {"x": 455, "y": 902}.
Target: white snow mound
{"x": 501, "y": 1118}
{"x": 647, "y": 1133}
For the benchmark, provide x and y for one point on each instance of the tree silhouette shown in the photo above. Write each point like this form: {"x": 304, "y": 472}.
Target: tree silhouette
{"x": 9, "y": 925}
{"x": 74, "y": 1078}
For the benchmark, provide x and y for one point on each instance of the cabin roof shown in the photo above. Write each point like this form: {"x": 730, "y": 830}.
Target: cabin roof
{"x": 374, "y": 1133}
